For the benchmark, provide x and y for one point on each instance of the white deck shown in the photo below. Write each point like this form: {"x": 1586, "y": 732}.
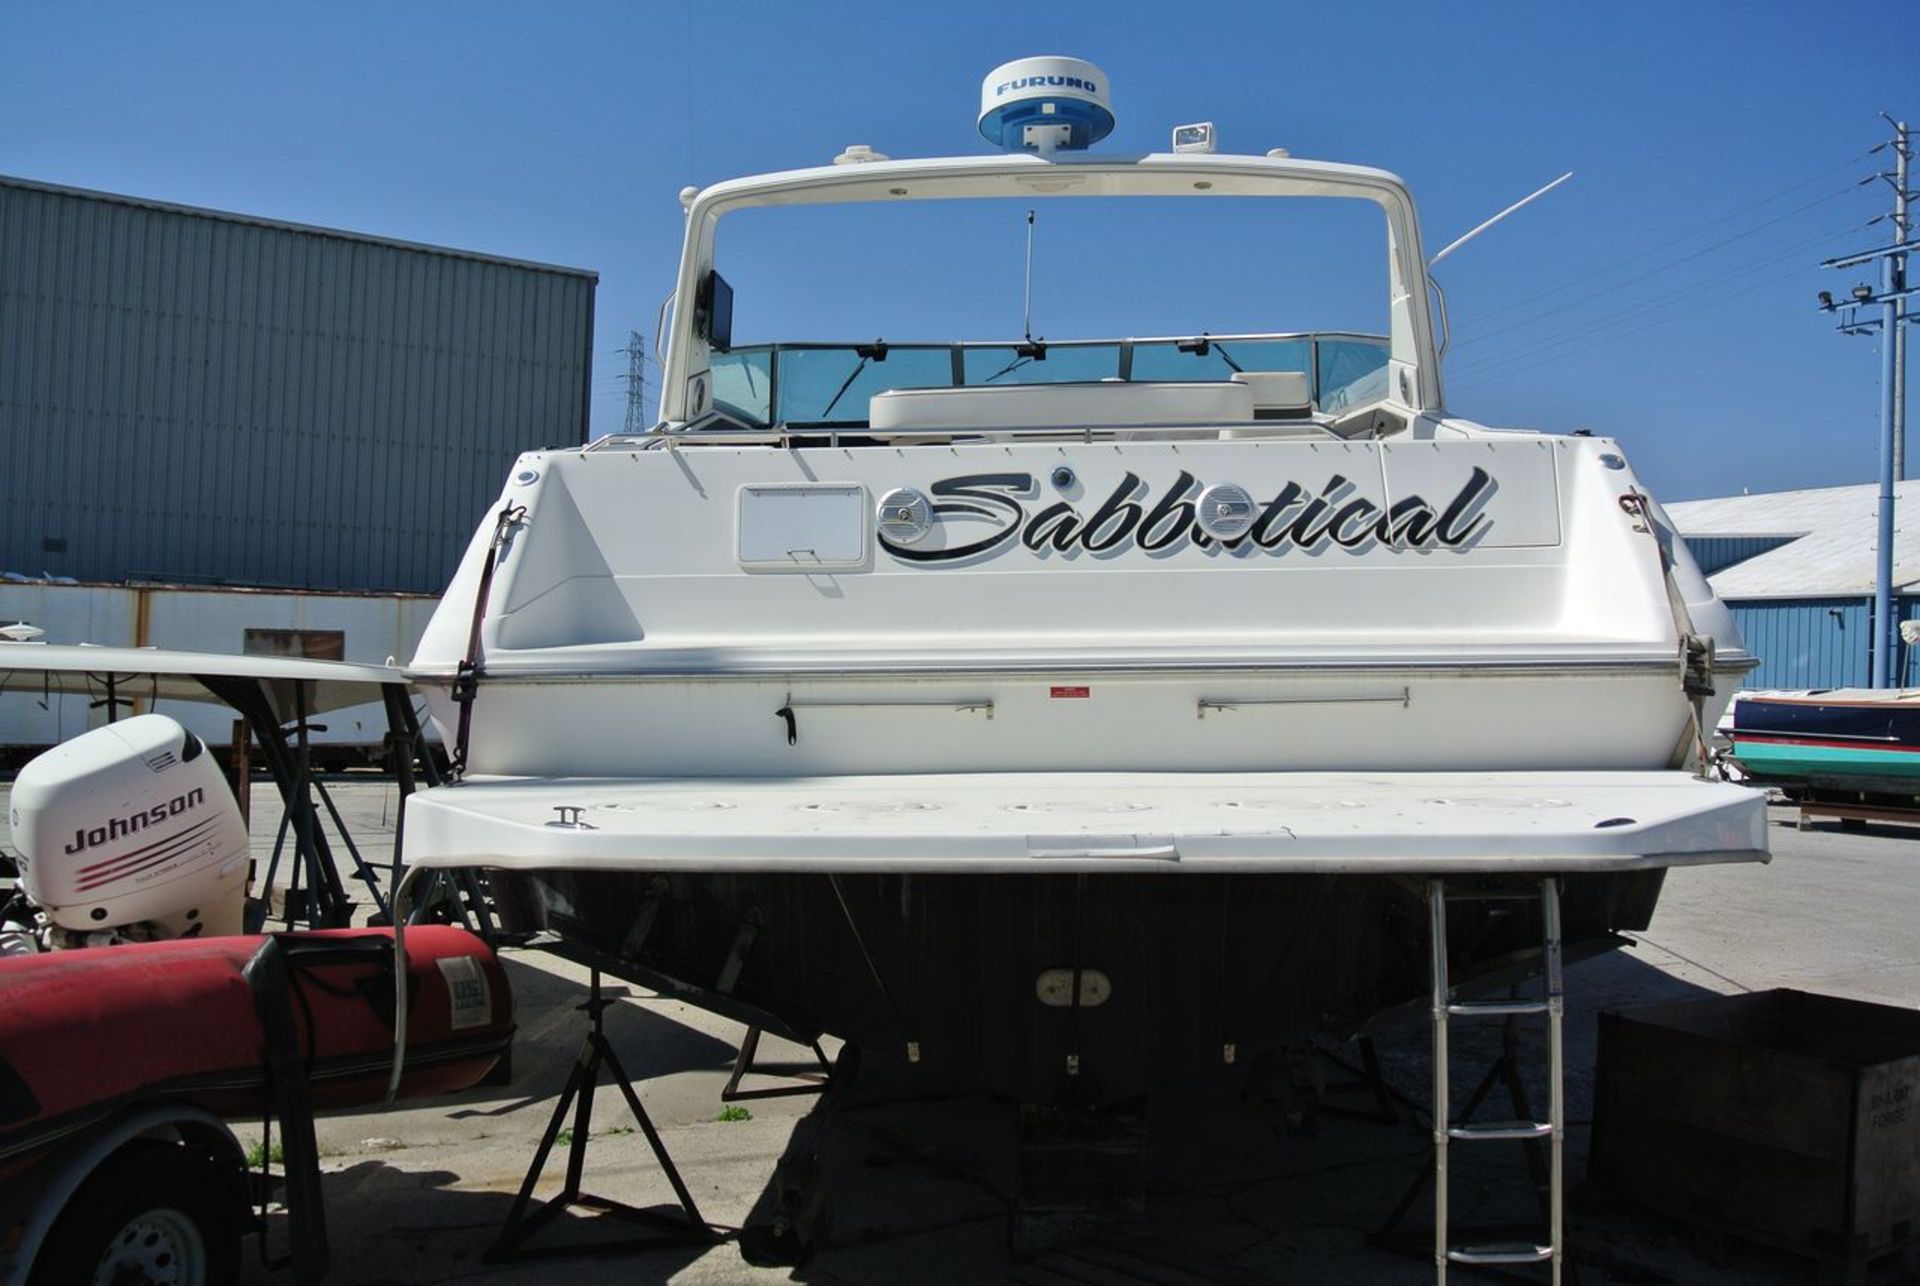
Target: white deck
{"x": 1276, "y": 823}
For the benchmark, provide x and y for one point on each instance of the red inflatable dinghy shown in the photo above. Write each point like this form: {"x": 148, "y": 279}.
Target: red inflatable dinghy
{"x": 83, "y": 1033}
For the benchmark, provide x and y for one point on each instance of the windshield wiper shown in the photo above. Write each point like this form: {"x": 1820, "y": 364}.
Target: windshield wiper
{"x": 1202, "y": 346}
{"x": 1034, "y": 350}
{"x": 874, "y": 352}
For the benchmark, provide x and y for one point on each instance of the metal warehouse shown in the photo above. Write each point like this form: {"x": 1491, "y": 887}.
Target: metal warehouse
{"x": 192, "y": 396}
{"x": 1797, "y": 568}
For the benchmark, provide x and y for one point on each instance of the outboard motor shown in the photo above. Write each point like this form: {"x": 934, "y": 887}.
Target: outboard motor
{"x": 128, "y": 833}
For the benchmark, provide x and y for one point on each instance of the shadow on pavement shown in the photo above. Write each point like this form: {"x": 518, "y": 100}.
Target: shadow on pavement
{"x": 397, "y": 1227}
{"x": 1242, "y": 1188}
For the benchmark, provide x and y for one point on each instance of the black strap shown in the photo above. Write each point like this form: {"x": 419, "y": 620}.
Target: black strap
{"x": 466, "y": 679}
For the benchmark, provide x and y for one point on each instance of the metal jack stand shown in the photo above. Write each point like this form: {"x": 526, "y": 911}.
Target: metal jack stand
{"x": 804, "y": 1079}
{"x": 685, "y": 1229}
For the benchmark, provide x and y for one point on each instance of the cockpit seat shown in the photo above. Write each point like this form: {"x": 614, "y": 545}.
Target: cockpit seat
{"x": 1278, "y": 395}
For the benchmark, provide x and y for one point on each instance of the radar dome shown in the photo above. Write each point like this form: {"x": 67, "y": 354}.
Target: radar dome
{"x": 1045, "y": 105}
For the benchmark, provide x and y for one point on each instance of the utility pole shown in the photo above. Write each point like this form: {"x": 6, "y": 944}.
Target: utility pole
{"x": 1902, "y": 233}
{"x": 1890, "y": 302}
{"x": 636, "y": 378}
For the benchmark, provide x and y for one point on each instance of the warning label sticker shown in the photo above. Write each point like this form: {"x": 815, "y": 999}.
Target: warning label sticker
{"x": 468, "y": 990}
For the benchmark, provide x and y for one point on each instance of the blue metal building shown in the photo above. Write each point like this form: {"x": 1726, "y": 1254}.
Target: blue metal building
{"x": 1797, "y": 569}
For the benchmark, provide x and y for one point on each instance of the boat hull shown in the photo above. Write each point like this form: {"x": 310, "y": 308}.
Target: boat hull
{"x": 946, "y": 971}
{"x": 1823, "y": 744}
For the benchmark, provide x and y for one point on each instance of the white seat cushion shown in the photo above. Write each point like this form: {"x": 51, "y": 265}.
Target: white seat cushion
{"x": 1281, "y": 392}
{"x": 1102, "y": 404}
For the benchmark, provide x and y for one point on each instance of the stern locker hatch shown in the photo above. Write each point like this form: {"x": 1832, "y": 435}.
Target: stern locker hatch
{"x": 673, "y": 548}
{"x": 818, "y": 526}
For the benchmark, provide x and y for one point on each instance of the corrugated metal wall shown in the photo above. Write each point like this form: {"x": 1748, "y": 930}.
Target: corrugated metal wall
{"x": 1717, "y": 553}
{"x": 1807, "y": 643}
{"x": 186, "y": 396}
{"x": 1819, "y": 642}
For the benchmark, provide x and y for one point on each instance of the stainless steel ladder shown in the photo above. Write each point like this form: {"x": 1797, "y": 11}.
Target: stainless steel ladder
{"x": 1446, "y": 1131}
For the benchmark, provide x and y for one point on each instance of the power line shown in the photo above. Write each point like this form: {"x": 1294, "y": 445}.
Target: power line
{"x": 1683, "y": 293}
{"x": 1676, "y": 309}
{"x": 1724, "y": 219}
{"x": 1485, "y": 375}
{"x": 1568, "y": 346}
{"x": 1655, "y": 270}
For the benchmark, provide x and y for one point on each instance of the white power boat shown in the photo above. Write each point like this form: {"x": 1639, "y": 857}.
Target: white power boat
{"x": 1061, "y": 735}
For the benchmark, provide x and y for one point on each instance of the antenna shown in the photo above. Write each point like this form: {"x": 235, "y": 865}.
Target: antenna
{"x": 1029, "y": 317}
{"x": 1523, "y": 201}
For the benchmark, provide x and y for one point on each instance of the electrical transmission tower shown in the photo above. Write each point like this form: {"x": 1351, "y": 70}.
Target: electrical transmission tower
{"x": 636, "y": 378}
{"x": 1856, "y": 317}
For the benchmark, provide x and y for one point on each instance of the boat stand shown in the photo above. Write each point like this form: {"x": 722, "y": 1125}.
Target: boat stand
{"x": 802, "y": 1079}
{"x": 1854, "y": 815}
{"x": 687, "y": 1228}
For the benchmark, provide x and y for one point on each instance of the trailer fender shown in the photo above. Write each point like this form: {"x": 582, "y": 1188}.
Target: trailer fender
{"x": 35, "y": 1199}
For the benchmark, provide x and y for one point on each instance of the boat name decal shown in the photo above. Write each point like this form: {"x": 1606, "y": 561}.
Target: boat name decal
{"x": 136, "y": 821}
{"x": 1296, "y": 517}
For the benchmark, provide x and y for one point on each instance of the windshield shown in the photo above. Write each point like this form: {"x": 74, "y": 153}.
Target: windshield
{"x": 810, "y": 283}
{"x": 831, "y": 384}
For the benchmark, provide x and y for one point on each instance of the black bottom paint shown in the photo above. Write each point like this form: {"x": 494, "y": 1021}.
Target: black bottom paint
{"x": 1197, "y": 962}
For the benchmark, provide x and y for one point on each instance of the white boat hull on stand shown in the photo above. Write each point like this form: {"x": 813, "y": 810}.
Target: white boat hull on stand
{"x": 1061, "y": 736}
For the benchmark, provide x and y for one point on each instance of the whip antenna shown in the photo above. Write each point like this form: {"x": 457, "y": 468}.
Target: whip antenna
{"x": 1029, "y": 288}
{"x": 1529, "y": 199}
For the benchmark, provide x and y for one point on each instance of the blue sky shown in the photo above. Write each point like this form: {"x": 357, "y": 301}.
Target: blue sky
{"x": 1663, "y": 297}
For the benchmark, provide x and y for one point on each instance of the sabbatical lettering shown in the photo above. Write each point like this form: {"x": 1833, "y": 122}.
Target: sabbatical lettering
{"x": 1294, "y": 517}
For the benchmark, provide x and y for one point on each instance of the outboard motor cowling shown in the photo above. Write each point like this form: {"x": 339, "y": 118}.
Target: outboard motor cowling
{"x": 129, "y": 833}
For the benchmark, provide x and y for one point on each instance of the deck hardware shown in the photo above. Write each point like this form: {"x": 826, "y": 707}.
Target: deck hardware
{"x": 1612, "y": 461}
{"x": 1635, "y": 505}
{"x": 975, "y": 705}
{"x": 904, "y": 516}
{"x": 1224, "y": 511}
{"x": 1062, "y": 477}
{"x": 1054, "y": 988}
{"x": 1218, "y": 705}
{"x": 525, "y": 476}
{"x": 573, "y": 823}
{"x": 1613, "y": 821}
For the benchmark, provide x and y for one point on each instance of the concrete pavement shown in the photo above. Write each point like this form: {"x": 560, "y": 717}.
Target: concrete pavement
{"x": 920, "y": 1187}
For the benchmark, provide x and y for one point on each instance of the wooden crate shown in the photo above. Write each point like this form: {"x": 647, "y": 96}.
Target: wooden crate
{"x": 1782, "y": 1116}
